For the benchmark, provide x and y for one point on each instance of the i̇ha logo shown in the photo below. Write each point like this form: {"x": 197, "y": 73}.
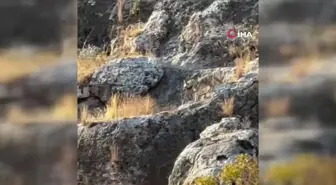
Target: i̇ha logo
{"x": 233, "y": 33}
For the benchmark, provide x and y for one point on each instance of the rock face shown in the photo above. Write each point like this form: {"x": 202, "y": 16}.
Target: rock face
{"x": 176, "y": 86}
{"x": 40, "y": 89}
{"x": 47, "y": 27}
{"x": 98, "y": 19}
{"x": 38, "y": 154}
{"x": 184, "y": 33}
{"x": 190, "y": 72}
{"x": 142, "y": 150}
{"x": 218, "y": 145}
{"x": 291, "y": 24}
{"x": 134, "y": 76}
{"x": 296, "y": 115}
{"x": 196, "y": 37}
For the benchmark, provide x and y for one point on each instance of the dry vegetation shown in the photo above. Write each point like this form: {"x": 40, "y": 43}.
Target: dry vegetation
{"x": 277, "y": 107}
{"x": 303, "y": 170}
{"x": 17, "y": 66}
{"x": 63, "y": 110}
{"x": 243, "y": 171}
{"x": 228, "y": 107}
{"x": 19, "y": 62}
{"x": 304, "y": 66}
{"x": 86, "y": 67}
{"x": 243, "y": 66}
{"x": 121, "y": 48}
{"x": 121, "y": 108}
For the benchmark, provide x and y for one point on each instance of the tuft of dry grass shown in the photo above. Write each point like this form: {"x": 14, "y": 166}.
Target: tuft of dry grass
{"x": 277, "y": 107}
{"x": 119, "y": 107}
{"x": 240, "y": 68}
{"x": 288, "y": 50}
{"x": 23, "y": 61}
{"x": 124, "y": 46}
{"x": 302, "y": 67}
{"x": 228, "y": 107}
{"x": 86, "y": 67}
{"x": 63, "y": 110}
{"x": 16, "y": 65}
{"x": 243, "y": 66}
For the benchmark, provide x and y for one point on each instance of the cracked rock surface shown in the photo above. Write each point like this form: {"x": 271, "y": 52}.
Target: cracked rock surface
{"x": 218, "y": 145}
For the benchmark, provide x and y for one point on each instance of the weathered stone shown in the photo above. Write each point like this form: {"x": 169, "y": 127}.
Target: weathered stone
{"x": 219, "y": 144}
{"x": 155, "y": 140}
{"x": 42, "y": 88}
{"x": 38, "y": 154}
{"x": 135, "y": 76}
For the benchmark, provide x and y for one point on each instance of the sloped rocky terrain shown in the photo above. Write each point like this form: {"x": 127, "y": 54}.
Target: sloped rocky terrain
{"x": 39, "y": 152}
{"x": 186, "y": 63}
{"x": 297, "y": 96}
{"x": 45, "y": 24}
{"x": 39, "y": 90}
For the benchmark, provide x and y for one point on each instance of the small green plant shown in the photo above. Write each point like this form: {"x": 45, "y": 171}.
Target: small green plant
{"x": 303, "y": 170}
{"x": 136, "y": 7}
{"x": 244, "y": 171}
{"x": 206, "y": 181}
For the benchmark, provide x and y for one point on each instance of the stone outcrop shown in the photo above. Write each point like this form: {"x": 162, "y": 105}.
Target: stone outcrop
{"x": 134, "y": 76}
{"x": 142, "y": 150}
{"x": 183, "y": 33}
{"x": 38, "y": 154}
{"x": 40, "y": 89}
{"x": 218, "y": 145}
{"x": 189, "y": 70}
{"x": 45, "y": 23}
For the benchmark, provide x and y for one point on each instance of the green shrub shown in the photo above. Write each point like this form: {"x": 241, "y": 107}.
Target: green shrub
{"x": 244, "y": 171}
{"x": 206, "y": 181}
{"x": 303, "y": 170}
{"x": 136, "y": 7}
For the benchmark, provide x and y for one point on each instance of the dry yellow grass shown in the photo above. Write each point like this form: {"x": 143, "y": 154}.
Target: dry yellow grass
{"x": 64, "y": 110}
{"x": 121, "y": 108}
{"x": 277, "y": 107}
{"x": 288, "y": 50}
{"x": 124, "y": 47}
{"x": 302, "y": 67}
{"x": 15, "y": 66}
{"x": 240, "y": 67}
{"x": 18, "y": 62}
{"x": 86, "y": 67}
{"x": 243, "y": 66}
{"x": 228, "y": 107}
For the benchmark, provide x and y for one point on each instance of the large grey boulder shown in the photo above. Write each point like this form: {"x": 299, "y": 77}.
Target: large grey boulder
{"x": 42, "y": 88}
{"x": 134, "y": 76}
{"x": 219, "y": 144}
